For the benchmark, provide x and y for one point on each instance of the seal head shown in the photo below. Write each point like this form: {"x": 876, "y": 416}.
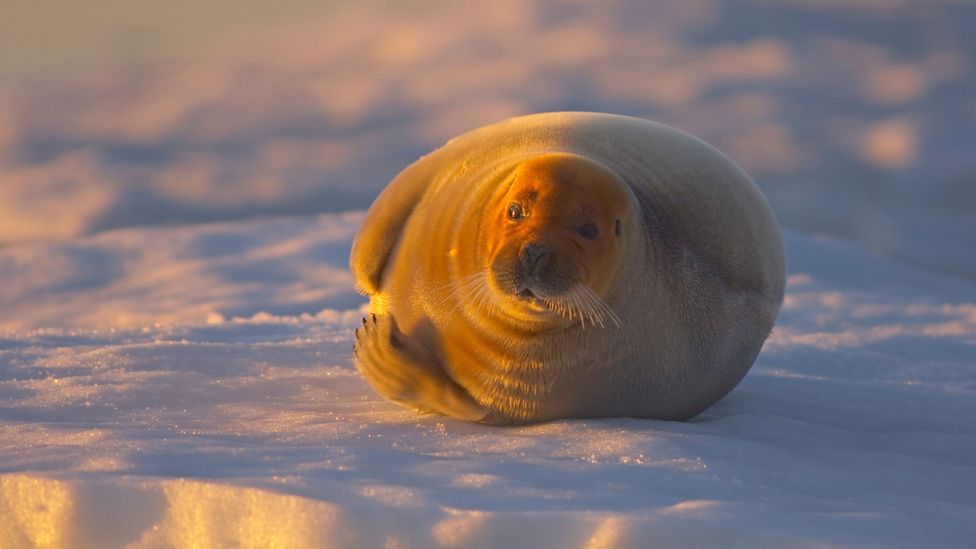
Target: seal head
{"x": 553, "y": 238}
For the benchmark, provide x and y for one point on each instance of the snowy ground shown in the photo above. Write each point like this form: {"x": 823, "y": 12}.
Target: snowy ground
{"x": 236, "y": 415}
{"x": 176, "y": 314}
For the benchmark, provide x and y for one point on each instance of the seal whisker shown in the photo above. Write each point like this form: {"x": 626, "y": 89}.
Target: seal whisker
{"x": 468, "y": 282}
{"x": 484, "y": 297}
{"x": 487, "y": 298}
{"x": 602, "y": 305}
{"x": 464, "y": 284}
{"x": 586, "y": 305}
{"x": 556, "y": 305}
{"x": 576, "y": 302}
{"x": 468, "y": 290}
{"x": 596, "y": 314}
{"x": 457, "y": 288}
{"x": 581, "y": 306}
{"x": 592, "y": 300}
{"x": 479, "y": 293}
{"x": 573, "y": 302}
{"x": 565, "y": 309}
{"x": 575, "y": 305}
{"x": 597, "y": 304}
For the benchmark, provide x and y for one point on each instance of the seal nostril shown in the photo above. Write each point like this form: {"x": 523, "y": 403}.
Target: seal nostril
{"x": 534, "y": 257}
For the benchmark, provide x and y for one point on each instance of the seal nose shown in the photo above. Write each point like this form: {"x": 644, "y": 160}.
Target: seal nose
{"x": 534, "y": 258}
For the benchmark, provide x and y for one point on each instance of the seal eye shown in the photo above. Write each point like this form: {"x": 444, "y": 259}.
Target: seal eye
{"x": 515, "y": 212}
{"x": 588, "y": 231}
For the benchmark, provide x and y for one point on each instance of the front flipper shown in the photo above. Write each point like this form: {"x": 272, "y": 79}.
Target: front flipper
{"x": 407, "y": 373}
{"x": 385, "y": 220}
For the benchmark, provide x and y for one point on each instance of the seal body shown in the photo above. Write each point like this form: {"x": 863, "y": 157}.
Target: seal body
{"x": 567, "y": 265}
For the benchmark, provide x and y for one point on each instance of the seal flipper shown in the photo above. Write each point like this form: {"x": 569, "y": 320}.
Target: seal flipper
{"x": 384, "y": 222}
{"x": 409, "y": 374}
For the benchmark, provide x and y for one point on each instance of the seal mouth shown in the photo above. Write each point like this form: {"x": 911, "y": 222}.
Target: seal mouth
{"x": 580, "y": 302}
{"x": 527, "y": 295}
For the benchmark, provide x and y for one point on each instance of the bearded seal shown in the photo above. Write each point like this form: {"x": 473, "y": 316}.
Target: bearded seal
{"x": 566, "y": 265}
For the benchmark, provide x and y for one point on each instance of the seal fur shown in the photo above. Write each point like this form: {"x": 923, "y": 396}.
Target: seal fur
{"x": 638, "y": 275}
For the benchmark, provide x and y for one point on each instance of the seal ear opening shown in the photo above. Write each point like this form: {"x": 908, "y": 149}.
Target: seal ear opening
{"x": 616, "y": 227}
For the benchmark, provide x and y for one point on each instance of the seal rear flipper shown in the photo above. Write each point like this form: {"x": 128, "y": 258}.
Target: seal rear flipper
{"x": 407, "y": 373}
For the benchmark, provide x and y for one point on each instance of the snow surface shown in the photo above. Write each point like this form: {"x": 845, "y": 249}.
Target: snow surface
{"x": 236, "y": 417}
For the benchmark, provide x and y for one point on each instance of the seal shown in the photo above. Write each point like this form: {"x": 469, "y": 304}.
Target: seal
{"x": 567, "y": 265}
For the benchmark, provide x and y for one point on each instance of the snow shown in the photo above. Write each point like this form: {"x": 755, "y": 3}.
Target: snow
{"x": 238, "y": 417}
{"x": 177, "y": 313}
